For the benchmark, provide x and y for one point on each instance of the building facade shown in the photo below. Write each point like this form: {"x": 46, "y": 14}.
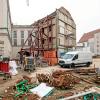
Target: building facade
{"x": 20, "y": 34}
{"x": 90, "y": 41}
{"x": 97, "y": 43}
{"x": 5, "y": 29}
{"x": 61, "y": 29}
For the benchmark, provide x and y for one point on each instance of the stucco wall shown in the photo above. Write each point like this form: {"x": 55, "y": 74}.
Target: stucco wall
{"x": 97, "y": 43}
{"x": 7, "y": 46}
{"x": 5, "y": 27}
{"x": 66, "y": 29}
{"x": 18, "y": 29}
{"x": 3, "y": 13}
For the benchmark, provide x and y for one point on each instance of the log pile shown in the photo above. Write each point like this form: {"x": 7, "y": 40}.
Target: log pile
{"x": 59, "y": 79}
{"x": 86, "y": 71}
{"x": 97, "y": 79}
{"x": 43, "y": 78}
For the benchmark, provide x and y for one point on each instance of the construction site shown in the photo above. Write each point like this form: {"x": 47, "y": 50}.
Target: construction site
{"x": 45, "y": 64}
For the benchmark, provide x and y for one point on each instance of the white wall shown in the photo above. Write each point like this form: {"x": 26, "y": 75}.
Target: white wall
{"x": 97, "y": 43}
{"x": 3, "y": 14}
{"x": 5, "y": 27}
{"x": 91, "y": 45}
{"x": 86, "y": 46}
{"x": 7, "y": 46}
{"x": 17, "y": 48}
{"x": 19, "y": 34}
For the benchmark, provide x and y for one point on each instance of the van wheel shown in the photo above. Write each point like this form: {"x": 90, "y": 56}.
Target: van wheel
{"x": 61, "y": 66}
{"x": 88, "y": 64}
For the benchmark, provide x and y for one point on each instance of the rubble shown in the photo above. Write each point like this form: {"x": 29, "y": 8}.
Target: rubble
{"x": 8, "y": 98}
{"x": 59, "y": 96}
{"x": 59, "y": 79}
{"x": 97, "y": 79}
{"x": 28, "y": 97}
{"x": 19, "y": 93}
{"x": 85, "y": 71}
{"x": 22, "y": 97}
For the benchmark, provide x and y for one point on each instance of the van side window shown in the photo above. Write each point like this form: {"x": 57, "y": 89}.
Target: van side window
{"x": 75, "y": 57}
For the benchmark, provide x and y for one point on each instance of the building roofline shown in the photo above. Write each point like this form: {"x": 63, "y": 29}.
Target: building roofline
{"x": 94, "y": 31}
{"x": 90, "y": 34}
{"x": 22, "y": 26}
{"x": 53, "y": 14}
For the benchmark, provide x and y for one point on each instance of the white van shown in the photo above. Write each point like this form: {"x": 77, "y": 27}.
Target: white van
{"x": 74, "y": 58}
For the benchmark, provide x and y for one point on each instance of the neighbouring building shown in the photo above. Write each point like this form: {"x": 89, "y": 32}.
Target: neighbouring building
{"x": 97, "y": 42}
{"x": 90, "y": 41}
{"x": 5, "y": 29}
{"x": 60, "y": 27}
{"x": 20, "y": 34}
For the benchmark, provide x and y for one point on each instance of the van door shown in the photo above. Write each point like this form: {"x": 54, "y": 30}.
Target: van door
{"x": 75, "y": 59}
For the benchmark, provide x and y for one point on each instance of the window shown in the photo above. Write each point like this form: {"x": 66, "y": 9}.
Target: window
{"x": 22, "y": 34}
{"x": 61, "y": 23}
{"x": 22, "y": 37}
{"x": 61, "y": 38}
{"x": 66, "y": 18}
{"x": 69, "y": 27}
{"x": 68, "y": 56}
{"x": 50, "y": 39}
{"x": 42, "y": 30}
{"x": 70, "y": 21}
{"x": 50, "y": 28}
{"x": 15, "y": 38}
{"x": 61, "y": 16}
{"x": 61, "y": 30}
{"x": 15, "y": 42}
{"x": 1, "y": 50}
{"x": 68, "y": 32}
{"x": 43, "y": 41}
{"x": 15, "y": 34}
{"x": 75, "y": 57}
{"x": 22, "y": 41}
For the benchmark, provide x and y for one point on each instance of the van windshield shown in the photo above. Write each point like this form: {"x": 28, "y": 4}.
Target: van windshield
{"x": 67, "y": 56}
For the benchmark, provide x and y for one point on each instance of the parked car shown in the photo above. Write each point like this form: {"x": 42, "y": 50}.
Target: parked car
{"x": 75, "y": 58}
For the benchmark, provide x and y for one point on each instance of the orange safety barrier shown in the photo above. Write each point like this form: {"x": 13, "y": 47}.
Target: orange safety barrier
{"x": 50, "y": 54}
{"x": 46, "y": 54}
{"x": 52, "y": 61}
{"x": 51, "y": 57}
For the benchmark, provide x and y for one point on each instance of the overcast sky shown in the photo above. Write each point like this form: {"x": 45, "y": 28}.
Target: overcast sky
{"x": 86, "y": 13}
